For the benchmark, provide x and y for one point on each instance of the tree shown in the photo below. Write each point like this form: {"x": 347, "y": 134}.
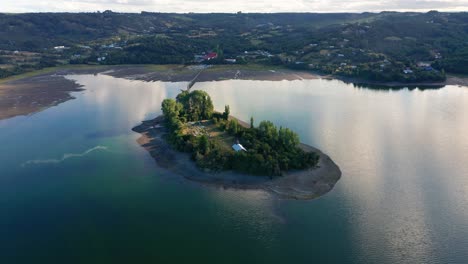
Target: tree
{"x": 197, "y": 105}
{"x": 287, "y": 138}
{"x": 204, "y": 145}
{"x": 226, "y": 113}
{"x": 268, "y": 130}
{"x": 233, "y": 126}
{"x": 220, "y": 53}
{"x": 171, "y": 108}
{"x": 251, "y": 122}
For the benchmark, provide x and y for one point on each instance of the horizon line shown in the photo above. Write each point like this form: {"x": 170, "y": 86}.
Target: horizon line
{"x": 234, "y": 13}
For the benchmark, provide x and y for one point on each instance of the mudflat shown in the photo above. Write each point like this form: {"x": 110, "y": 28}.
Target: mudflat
{"x": 33, "y": 92}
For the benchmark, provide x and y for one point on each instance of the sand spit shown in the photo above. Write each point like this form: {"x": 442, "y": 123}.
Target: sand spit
{"x": 34, "y": 94}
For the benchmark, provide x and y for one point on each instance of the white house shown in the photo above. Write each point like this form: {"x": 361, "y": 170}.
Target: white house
{"x": 238, "y": 147}
{"x": 407, "y": 71}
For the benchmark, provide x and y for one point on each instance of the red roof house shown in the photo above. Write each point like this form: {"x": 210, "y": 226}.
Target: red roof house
{"x": 210, "y": 56}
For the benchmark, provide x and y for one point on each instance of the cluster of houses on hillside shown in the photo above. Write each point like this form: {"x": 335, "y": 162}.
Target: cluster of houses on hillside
{"x": 246, "y": 55}
{"x": 422, "y": 65}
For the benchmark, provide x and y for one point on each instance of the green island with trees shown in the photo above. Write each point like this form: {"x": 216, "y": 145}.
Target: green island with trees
{"x": 210, "y": 137}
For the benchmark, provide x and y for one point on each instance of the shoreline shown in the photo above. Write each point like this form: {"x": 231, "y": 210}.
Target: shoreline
{"x": 182, "y": 73}
{"x": 387, "y": 85}
{"x": 302, "y": 185}
{"x": 22, "y": 97}
{"x": 35, "y": 91}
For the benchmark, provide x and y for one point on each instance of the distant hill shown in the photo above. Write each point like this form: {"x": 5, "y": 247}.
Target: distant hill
{"x": 35, "y": 31}
{"x": 342, "y": 43}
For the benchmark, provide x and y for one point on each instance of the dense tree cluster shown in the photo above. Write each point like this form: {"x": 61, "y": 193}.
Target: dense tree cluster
{"x": 271, "y": 151}
{"x": 197, "y": 105}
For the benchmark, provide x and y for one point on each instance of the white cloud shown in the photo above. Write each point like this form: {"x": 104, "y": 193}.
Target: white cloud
{"x": 204, "y": 6}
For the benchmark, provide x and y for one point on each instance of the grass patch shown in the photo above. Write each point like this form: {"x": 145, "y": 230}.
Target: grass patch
{"x": 163, "y": 67}
{"x": 48, "y": 70}
{"x": 245, "y": 67}
{"x": 28, "y": 74}
{"x": 210, "y": 129}
{"x": 256, "y": 42}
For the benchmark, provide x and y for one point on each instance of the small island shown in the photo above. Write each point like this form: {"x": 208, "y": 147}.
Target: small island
{"x": 193, "y": 140}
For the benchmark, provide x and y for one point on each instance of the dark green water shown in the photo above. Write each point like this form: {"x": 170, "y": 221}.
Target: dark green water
{"x": 403, "y": 197}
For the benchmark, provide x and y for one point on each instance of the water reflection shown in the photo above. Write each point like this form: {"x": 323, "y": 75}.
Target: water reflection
{"x": 403, "y": 196}
{"x": 125, "y": 101}
{"x": 400, "y": 153}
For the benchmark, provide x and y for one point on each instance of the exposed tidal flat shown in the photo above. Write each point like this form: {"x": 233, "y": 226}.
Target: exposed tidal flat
{"x": 34, "y": 91}
{"x": 74, "y": 181}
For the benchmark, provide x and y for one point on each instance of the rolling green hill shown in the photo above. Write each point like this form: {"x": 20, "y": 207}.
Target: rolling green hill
{"x": 377, "y": 46}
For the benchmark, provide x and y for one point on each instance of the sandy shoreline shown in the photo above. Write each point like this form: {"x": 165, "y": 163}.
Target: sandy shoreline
{"x": 304, "y": 185}
{"x": 34, "y": 94}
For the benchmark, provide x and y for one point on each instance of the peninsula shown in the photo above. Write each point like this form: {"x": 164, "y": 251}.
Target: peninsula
{"x": 192, "y": 140}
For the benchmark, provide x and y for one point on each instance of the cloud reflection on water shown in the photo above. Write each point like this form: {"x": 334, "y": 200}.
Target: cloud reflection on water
{"x": 395, "y": 148}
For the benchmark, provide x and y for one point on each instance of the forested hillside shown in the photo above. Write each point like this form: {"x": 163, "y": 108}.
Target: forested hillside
{"x": 387, "y": 46}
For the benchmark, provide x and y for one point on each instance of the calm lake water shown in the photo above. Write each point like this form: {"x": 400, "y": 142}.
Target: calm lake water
{"x": 75, "y": 187}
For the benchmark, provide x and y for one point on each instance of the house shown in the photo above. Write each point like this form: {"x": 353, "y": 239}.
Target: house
{"x": 423, "y": 64}
{"x": 407, "y": 71}
{"x": 211, "y": 56}
{"x": 238, "y": 147}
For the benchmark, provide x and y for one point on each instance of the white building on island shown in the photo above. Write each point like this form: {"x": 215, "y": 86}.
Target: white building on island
{"x": 238, "y": 147}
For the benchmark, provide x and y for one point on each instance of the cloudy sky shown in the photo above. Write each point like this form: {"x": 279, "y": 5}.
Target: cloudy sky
{"x": 183, "y": 6}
